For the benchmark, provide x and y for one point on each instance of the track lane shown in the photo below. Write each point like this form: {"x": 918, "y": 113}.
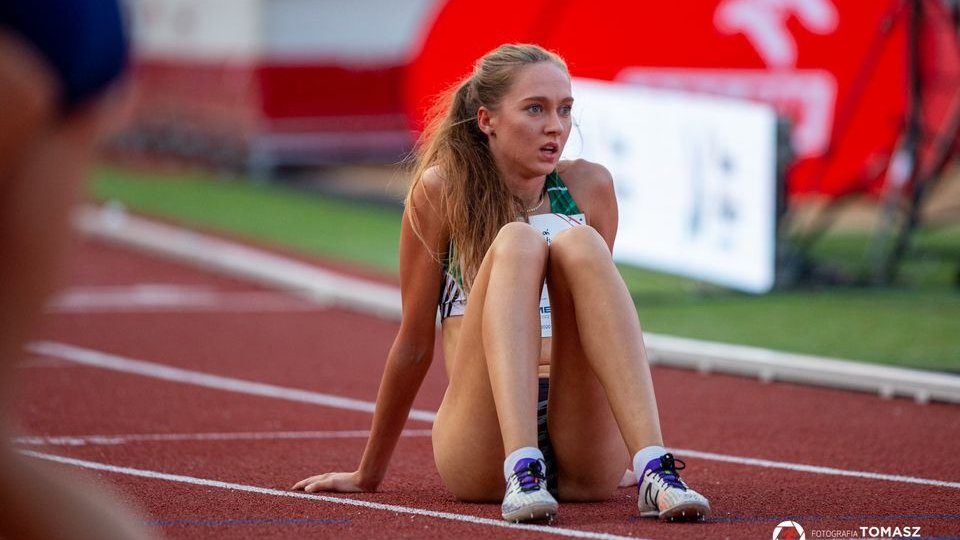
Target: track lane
{"x": 706, "y": 412}
{"x": 817, "y": 503}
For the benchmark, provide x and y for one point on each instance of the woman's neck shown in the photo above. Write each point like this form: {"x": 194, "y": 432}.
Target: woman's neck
{"x": 528, "y": 190}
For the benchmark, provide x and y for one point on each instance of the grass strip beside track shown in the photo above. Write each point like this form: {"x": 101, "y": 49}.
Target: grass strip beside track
{"x": 335, "y": 229}
{"x": 911, "y": 325}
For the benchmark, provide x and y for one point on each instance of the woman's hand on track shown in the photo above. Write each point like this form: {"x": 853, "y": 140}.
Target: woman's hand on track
{"x": 341, "y": 482}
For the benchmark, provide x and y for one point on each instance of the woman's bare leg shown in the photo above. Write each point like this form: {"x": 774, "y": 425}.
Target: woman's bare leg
{"x": 511, "y": 333}
{"x": 590, "y": 452}
{"x": 593, "y": 304}
{"x": 598, "y": 345}
{"x": 490, "y": 406}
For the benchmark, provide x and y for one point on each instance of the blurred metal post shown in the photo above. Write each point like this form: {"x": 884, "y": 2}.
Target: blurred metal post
{"x": 902, "y": 210}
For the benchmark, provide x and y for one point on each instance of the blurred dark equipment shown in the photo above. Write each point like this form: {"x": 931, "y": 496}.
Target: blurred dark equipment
{"x": 930, "y": 139}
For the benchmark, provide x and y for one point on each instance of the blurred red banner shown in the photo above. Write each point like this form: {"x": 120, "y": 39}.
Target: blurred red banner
{"x": 837, "y": 70}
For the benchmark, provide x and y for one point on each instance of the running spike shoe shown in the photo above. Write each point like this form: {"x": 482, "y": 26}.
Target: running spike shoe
{"x": 527, "y": 498}
{"x": 662, "y": 494}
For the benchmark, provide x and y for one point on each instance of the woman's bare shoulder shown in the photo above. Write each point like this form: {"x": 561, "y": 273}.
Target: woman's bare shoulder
{"x": 433, "y": 179}
{"x": 428, "y": 188}
{"x": 425, "y": 204}
{"x": 591, "y": 185}
{"x": 586, "y": 178}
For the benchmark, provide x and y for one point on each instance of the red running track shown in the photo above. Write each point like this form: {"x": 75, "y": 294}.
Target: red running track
{"x": 236, "y": 453}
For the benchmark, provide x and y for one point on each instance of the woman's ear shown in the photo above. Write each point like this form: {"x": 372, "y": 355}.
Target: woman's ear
{"x": 485, "y": 120}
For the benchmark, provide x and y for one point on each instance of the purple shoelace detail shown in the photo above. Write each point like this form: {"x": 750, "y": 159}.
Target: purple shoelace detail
{"x": 666, "y": 467}
{"x": 529, "y": 473}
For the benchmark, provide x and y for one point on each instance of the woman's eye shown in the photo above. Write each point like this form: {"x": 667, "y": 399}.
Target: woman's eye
{"x": 535, "y": 108}
{"x": 565, "y": 110}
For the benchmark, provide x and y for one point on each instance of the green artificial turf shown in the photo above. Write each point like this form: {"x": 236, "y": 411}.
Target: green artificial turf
{"x": 348, "y": 231}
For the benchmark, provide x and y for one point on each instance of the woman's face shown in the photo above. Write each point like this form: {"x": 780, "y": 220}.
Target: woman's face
{"x": 531, "y": 124}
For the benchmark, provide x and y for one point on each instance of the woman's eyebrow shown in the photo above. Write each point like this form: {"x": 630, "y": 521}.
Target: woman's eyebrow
{"x": 544, "y": 98}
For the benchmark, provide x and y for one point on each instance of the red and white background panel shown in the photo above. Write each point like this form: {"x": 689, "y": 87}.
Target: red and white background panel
{"x": 306, "y": 72}
{"x": 283, "y": 75}
{"x": 836, "y": 70}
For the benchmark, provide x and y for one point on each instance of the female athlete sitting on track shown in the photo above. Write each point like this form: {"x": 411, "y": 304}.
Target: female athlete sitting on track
{"x": 493, "y": 215}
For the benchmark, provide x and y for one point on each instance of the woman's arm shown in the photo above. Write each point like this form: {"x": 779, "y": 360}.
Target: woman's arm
{"x": 412, "y": 351}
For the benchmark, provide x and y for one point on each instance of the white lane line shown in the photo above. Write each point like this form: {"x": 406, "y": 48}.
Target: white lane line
{"x": 225, "y": 257}
{"x": 42, "y": 363}
{"x": 465, "y": 518}
{"x": 149, "y": 369}
{"x": 148, "y": 297}
{"x": 82, "y": 440}
{"x": 159, "y": 371}
{"x": 753, "y": 462}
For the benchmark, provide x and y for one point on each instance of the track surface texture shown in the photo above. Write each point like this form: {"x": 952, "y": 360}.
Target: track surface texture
{"x": 213, "y": 457}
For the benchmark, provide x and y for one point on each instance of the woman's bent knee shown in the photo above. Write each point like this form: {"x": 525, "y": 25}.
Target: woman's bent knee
{"x": 582, "y": 244}
{"x": 518, "y": 231}
{"x": 519, "y": 240}
{"x": 582, "y": 235}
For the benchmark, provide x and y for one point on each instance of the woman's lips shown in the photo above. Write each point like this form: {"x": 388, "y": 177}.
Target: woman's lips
{"x": 550, "y": 151}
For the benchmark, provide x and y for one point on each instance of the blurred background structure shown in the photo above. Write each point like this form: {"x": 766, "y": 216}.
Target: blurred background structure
{"x": 264, "y": 83}
{"x": 785, "y": 147}
{"x": 869, "y": 92}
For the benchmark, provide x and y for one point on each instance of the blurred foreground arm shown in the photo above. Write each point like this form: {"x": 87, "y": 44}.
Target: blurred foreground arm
{"x": 45, "y": 155}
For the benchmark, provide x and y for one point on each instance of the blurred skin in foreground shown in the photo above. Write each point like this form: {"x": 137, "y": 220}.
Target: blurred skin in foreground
{"x": 45, "y": 157}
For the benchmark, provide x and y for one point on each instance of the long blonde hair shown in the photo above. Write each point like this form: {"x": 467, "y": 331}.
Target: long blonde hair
{"x": 475, "y": 202}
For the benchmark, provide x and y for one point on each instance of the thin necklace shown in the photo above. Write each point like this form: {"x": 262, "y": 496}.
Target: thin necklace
{"x": 539, "y": 203}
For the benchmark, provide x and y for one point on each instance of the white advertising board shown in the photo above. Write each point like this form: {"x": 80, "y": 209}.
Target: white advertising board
{"x": 355, "y": 33}
{"x": 196, "y": 30}
{"x": 695, "y": 178}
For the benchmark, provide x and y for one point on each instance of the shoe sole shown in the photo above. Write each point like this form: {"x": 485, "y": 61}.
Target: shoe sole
{"x": 534, "y": 512}
{"x": 685, "y": 512}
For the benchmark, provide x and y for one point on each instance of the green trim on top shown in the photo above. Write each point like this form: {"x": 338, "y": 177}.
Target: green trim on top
{"x": 561, "y": 202}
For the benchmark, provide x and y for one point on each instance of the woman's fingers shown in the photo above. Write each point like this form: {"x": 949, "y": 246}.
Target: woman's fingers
{"x": 339, "y": 482}
{"x": 303, "y": 484}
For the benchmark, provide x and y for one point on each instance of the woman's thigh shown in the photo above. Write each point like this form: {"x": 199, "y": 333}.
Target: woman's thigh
{"x": 467, "y": 442}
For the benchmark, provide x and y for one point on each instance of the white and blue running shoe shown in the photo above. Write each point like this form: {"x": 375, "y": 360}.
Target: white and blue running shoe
{"x": 662, "y": 494}
{"x": 527, "y": 498}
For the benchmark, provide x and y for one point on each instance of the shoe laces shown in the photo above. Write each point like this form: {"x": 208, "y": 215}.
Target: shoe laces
{"x": 668, "y": 471}
{"x": 529, "y": 474}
